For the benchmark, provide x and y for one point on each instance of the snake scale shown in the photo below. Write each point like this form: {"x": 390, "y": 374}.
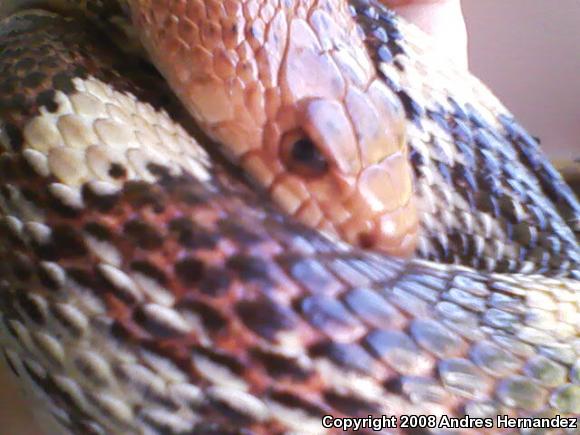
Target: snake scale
{"x": 146, "y": 288}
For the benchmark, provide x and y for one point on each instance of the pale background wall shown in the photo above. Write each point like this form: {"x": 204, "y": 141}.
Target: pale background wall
{"x": 528, "y": 51}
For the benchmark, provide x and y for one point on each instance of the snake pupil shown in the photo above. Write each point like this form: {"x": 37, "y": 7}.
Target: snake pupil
{"x": 305, "y": 153}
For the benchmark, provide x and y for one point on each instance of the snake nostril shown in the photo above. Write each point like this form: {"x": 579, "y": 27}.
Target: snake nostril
{"x": 301, "y": 155}
{"x": 367, "y": 240}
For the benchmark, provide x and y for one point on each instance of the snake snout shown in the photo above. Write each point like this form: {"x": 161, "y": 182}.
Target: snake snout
{"x": 394, "y": 233}
{"x": 385, "y": 190}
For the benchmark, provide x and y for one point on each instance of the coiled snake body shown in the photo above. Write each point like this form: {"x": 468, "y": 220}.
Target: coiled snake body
{"x": 146, "y": 289}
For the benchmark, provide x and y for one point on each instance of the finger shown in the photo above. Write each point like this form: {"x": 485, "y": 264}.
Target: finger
{"x": 443, "y": 19}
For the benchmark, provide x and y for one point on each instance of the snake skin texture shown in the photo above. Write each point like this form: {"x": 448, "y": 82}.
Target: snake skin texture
{"x": 143, "y": 289}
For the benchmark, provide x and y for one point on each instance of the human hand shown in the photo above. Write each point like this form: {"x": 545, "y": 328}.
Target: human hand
{"x": 443, "y": 19}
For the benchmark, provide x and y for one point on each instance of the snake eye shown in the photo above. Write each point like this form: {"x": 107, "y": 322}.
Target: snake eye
{"x": 302, "y": 156}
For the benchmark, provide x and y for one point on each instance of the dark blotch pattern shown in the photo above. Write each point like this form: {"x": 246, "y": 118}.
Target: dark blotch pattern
{"x": 484, "y": 171}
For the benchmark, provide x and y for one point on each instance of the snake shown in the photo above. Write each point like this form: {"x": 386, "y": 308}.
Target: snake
{"x": 401, "y": 246}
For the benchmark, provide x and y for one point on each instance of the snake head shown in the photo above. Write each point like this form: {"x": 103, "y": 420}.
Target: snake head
{"x": 342, "y": 166}
{"x": 291, "y": 94}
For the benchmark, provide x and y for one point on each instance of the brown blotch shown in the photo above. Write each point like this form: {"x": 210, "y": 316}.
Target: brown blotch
{"x": 99, "y": 231}
{"x": 103, "y": 203}
{"x": 47, "y": 280}
{"x": 233, "y": 416}
{"x": 292, "y": 400}
{"x": 150, "y": 270}
{"x": 143, "y": 234}
{"x": 249, "y": 268}
{"x": 15, "y": 137}
{"x": 31, "y": 308}
{"x": 9, "y": 168}
{"x": 190, "y": 235}
{"x": 67, "y": 242}
{"x": 55, "y": 204}
{"x": 159, "y": 171}
{"x": 9, "y": 239}
{"x": 154, "y": 326}
{"x": 63, "y": 82}
{"x": 142, "y": 194}
{"x": 33, "y": 80}
{"x": 84, "y": 278}
{"x": 216, "y": 282}
{"x": 47, "y": 99}
{"x": 210, "y": 317}
{"x": 266, "y": 317}
{"x": 238, "y": 232}
{"x": 222, "y": 358}
{"x": 117, "y": 171}
{"x": 279, "y": 366}
{"x": 22, "y": 267}
{"x": 189, "y": 270}
{"x": 351, "y": 405}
